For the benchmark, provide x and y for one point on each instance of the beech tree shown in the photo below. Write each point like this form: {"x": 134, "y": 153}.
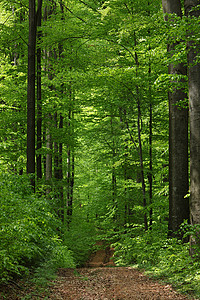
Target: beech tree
{"x": 192, "y": 12}
{"x": 31, "y": 91}
{"x": 178, "y": 130}
{"x": 39, "y": 92}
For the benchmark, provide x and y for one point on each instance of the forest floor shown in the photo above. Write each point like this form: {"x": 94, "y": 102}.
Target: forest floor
{"x": 99, "y": 280}
{"x": 120, "y": 283}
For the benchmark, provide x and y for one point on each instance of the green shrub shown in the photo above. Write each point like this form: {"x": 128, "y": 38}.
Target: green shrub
{"x": 28, "y": 229}
{"x": 162, "y": 257}
{"x": 60, "y": 257}
{"x": 80, "y": 239}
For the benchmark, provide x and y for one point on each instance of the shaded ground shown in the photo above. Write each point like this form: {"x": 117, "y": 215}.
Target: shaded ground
{"x": 99, "y": 280}
{"x": 110, "y": 283}
{"x": 119, "y": 283}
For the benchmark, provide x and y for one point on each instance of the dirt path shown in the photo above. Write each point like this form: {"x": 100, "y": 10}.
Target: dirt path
{"x": 100, "y": 280}
{"x": 119, "y": 283}
{"x": 108, "y": 283}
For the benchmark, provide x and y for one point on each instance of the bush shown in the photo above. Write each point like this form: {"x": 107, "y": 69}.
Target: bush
{"x": 162, "y": 257}
{"x": 80, "y": 239}
{"x": 28, "y": 229}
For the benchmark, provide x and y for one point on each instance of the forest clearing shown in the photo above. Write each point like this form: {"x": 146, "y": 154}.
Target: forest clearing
{"x": 100, "y": 141}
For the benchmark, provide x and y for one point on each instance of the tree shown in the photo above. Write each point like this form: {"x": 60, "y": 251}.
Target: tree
{"x": 178, "y": 131}
{"x": 31, "y": 92}
{"x": 39, "y": 93}
{"x": 192, "y": 12}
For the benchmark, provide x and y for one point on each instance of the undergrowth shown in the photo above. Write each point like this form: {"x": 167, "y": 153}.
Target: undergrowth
{"x": 80, "y": 239}
{"x": 162, "y": 257}
{"x": 29, "y": 232}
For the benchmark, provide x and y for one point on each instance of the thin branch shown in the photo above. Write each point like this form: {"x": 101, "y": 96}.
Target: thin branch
{"x": 128, "y": 8}
{"x": 67, "y": 8}
{"x": 22, "y": 39}
{"x": 121, "y": 45}
{"x": 129, "y": 131}
{"x": 86, "y": 4}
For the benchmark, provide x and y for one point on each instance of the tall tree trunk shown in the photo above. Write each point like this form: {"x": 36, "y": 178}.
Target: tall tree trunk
{"x": 194, "y": 110}
{"x": 140, "y": 141}
{"x": 114, "y": 177}
{"x": 39, "y": 96}
{"x": 31, "y": 92}
{"x": 49, "y": 153}
{"x": 150, "y": 175}
{"x": 49, "y": 145}
{"x": 178, "y": 139}
{"x": 58, "y": 170}
{"x": 70, "y": 182}
{"x": 60, "y": 174}
{"x": 141, "y": 164}
{"x": 70, "y": 156}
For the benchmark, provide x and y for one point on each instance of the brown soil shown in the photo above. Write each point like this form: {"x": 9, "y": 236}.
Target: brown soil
{"x": 109, "y": 283}
{"x": 118, "y": 283}
{"x": 97, "y": 281}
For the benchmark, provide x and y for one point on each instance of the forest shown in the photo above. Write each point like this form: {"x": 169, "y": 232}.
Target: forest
{"x": 100, "y": 136}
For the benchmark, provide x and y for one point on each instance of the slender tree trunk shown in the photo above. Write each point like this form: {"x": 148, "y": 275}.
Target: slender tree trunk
{"x": 49, "y": 153}
{"x": 140, "y": 142}
{"x": 70, "y": 181}
{"x": 60, "y": 146}
{"x": 194, "y": 109}
{"x": 178, "y": 139}
{"x": 70, "y": 157}
{"x": 142, "y": 166}
{"x": 56, "y": 151}
{"x": 49, "y": 145}
{"x": 114, "y": 178}
{"x": 150, "y": 175}
{"x": 39, "y": 96}
{"x": 60, "y": 174}
{"x": 31, "y": 93}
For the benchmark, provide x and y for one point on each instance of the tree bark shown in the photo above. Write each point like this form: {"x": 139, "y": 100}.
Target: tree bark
{"x": 194, "y": 110}
{"x": 39, "y": 96}
{"x": 31, "y": 92}
{"x": 49, "y": 153}
{"x": 178, "y": 139}
{"x": 150, "y": 175}
{"x": 70, "y": 156}
{"x": 140, "y": 142}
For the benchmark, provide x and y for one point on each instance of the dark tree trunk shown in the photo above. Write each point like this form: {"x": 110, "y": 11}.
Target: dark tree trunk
{"x": 140, "y": 141}
{"x": 114, "y": 177}
{"x": 39, "y": 96}
{"x": 178, "y": 139}
{"x": 194, "y": 109}
{"x": 58, "y": 170}
{"x": 49, "y": 153}
{"x": 142, "y": 165}
{"x": 70, "y": 157}
{"x": 150, "y": 175}
{"x": 31, "y": 92}
{"x": 60, "y": 174}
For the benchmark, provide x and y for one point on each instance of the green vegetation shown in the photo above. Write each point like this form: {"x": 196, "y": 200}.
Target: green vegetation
{"x": 163, "y": 258}
{"x": 29, "y": 231}
{"x": 85, "y": 153}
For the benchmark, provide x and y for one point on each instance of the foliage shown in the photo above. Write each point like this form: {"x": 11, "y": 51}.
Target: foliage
{"x": 161, "y": 257}
{"x": 60, "y": 257}
{"x": 28, "y": 230}
{"x": 104, "y": 71}
{"x": 80, "y": 239}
